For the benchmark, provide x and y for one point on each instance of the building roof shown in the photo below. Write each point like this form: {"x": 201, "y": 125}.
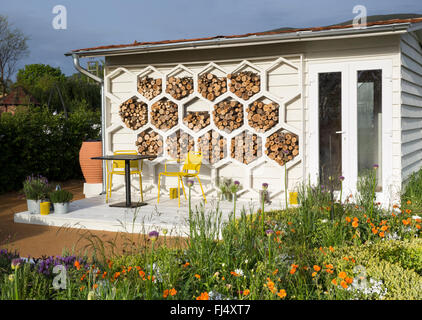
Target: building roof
{"x": 18, "y": 96}
{"x": 380, "y": 21}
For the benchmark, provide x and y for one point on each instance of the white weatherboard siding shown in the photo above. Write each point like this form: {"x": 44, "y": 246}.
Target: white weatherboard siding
{"x": 411, "y": 99}
{"x": 285, "y": 80}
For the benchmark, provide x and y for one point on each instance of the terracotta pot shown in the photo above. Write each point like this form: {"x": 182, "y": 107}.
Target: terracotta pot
{"x": 91, "y": 169}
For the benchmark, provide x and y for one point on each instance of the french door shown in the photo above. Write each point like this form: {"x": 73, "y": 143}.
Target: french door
{"x": 350, "y": 123}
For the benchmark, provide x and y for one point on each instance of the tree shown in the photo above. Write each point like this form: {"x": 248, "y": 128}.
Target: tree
{"x": 33, "y": 74}
{"x": 43, "y": 82}
{"x": 13, "y": 47}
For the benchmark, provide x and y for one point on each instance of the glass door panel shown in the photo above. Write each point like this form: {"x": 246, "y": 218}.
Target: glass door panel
{"x": 330, "y": 128}
{"x": 369, "y": 122}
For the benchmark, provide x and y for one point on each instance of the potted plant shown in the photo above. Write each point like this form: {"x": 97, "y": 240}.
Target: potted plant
{"x": 228, "y": 188}
{"x": 60, "y": 200}
{"x": 224, "y": 187}
{"x": 36, "y": 189}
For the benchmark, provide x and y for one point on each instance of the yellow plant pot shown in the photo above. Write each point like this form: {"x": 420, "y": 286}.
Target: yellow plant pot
{"x": 45, "y": 208}
{"x": 293, "y": 198}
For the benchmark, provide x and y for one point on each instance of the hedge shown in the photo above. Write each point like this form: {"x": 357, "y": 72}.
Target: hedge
{"x": 36, "y": 141}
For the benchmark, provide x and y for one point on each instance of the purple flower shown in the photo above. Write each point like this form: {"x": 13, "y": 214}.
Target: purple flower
{"x": 286, "y": 151}
{"x": 16, "y": 263}
{"x": 341, "y": 178}
{"x": 237, "y": 183}
{"x": 265, "y": 186}
{"x": 190, "y": 183}
{"x": 153, "y": 235}
{"x": 375, "y": 166}
{"x": 269, "y": 232}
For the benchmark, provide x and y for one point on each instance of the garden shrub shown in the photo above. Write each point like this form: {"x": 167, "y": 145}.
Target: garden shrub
{"x": 35, "y": 141}
{"x": 384, "y": 261}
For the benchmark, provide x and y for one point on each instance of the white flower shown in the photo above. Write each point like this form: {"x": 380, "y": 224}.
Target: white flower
{"x": 239, "y": 272}
{"x": 416, "y": 217}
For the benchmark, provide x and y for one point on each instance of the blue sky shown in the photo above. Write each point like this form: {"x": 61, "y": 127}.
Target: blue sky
{"x": 92, "y": 23}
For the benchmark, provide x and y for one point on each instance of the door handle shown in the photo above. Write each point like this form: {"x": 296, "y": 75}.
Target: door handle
{"x": 340, "y": 132}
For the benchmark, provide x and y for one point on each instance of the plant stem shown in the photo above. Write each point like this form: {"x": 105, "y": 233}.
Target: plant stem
{"x": 262, "y": 208}
{"x": 373, "y": 192}
{"x": 190, "y": 215}
{"x": 234, "y": 205}
{"x": 285, "y": 183}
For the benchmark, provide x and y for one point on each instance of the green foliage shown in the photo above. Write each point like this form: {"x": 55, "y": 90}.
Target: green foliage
{"x": 60, "y": 196}
{"x": 413, "y": 189}
{"x": 43, "y": 81}
{"x": 35, "y": 141}
{"x": 384, "y": 261}
{"x": 36, "y": 188}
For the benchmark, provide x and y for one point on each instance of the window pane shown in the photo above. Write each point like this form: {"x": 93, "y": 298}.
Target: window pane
{"x": 329, "y": 122}
{"x": 369, "y": 110}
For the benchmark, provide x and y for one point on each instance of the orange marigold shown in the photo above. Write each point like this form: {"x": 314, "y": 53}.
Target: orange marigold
{"x": 334, "y": 281}
{"x": 317, "y": 268}
{"x": 342, "y": 275}
{"x": 355, "y": 224}
{"x": 343, "y": 284}
{"x": 197, "y": 276}
{"x": 203, "y": 296}
{"x": 246, "y": 292}
{"x": 77, "y": 265}
{"x": 165, "y": 293}
{"x": 282, "y": 293}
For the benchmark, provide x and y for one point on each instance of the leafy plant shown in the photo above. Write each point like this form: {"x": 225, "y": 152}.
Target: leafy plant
{"x": 60, "y": 196}
{"x": 36, "y": 187}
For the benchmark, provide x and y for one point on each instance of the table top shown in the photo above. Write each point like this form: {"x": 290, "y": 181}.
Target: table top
{"x": 126, "y": 157}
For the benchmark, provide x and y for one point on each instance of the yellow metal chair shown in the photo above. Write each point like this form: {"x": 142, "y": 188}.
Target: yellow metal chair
{"x": 118, "y": 167}
{"x": 190, "y": 169}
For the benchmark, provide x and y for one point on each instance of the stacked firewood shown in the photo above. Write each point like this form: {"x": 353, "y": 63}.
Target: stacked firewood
{"x": 179, "y": 144}
{"x": 149, "y": 142}
{"x": 244, "y": 84}
{"x": 164, "y": 114}
{"x": 210, "y": 86}
{"x": 282, "y": 146}
{"x": 149, "y": 87}
{"x": 196, "y": 120}
{"x": 261, "y": 116}
{"x": 133, "y": 113}
{"x": 246, "y": 147}
{"x": 213, "y": 146}
{"x": 179, "y": 88}
{"x": 228, "y": 115}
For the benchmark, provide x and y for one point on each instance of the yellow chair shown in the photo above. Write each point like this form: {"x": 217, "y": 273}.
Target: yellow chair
{"x": 190, "y": 169}
{"x": 118, "y": 167}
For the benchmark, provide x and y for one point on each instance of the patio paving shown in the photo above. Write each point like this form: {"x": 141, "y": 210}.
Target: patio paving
{"x": 95, "y": 214}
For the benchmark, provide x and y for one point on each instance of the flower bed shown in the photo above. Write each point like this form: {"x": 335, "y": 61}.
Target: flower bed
{"x": 319, "y": 250}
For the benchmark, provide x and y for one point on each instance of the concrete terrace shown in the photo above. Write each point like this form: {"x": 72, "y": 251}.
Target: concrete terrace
{"x": 95, "y": 214}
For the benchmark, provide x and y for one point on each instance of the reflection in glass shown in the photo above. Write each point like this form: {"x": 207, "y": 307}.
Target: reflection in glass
{"x": 369, "y": 110}
{"x": 329, "y": 123}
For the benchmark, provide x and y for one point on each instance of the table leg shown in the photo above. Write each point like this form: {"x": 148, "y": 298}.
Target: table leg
{"x": 127, "y": 183}
{"x": 128, "y": 203}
